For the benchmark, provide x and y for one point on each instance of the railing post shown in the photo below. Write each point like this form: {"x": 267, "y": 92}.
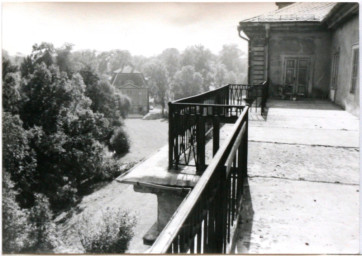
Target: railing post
{"x": 245, "y": 149}
{"x": 216, "y": 135}
{"x": 170, "y": 135}
{"x": 221, "y": 211}
{"x": 200, "y": 140}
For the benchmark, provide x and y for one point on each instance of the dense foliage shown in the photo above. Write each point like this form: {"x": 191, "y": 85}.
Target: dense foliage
{"x": 164, "y": 72}
{"x": 110, "y": 234}
{"x": 60, "y": 126}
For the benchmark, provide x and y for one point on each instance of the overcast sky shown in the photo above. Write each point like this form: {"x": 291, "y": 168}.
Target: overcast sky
{"x": 142, "y": 28}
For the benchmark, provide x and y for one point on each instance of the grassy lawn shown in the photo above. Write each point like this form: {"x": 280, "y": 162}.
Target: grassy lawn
{"x": 146, "y": 136}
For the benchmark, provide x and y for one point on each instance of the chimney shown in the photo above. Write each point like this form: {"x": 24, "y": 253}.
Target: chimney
{"x": 283, "y": 4}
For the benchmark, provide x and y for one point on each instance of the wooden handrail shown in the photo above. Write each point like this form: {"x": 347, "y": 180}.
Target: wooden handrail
{"x": 206, "y": 105}
{"x": 188, "y": 99}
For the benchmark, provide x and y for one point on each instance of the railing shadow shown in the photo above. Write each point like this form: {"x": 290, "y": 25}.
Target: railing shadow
{"x": 246, "y": 221}
{"x": 255, "y": 115}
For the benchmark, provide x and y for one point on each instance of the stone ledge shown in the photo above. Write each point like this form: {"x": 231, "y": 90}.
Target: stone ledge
{"x": 154, "y": 170}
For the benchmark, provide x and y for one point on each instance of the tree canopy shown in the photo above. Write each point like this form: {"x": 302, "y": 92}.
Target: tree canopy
{"x": 61, "y": 122}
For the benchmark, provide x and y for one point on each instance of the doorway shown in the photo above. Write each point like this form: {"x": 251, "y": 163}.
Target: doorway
{"x": 297, "y": 75}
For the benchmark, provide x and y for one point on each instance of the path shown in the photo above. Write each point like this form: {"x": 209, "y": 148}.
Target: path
{"x": 303, "y": 181}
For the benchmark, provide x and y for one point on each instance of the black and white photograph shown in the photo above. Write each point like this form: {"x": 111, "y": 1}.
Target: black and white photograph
{"x": 180, "y": 127}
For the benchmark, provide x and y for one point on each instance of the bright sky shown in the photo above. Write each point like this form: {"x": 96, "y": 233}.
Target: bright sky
{"x": 142, "y": 28}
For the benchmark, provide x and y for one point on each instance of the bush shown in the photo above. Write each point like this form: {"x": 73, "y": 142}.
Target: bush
{"x": 15, "y": 228}
{"x": 42, "y": 229}
{"x": 119, "y": 142}
{"x": 110, "y": 169}
{"x": 109, "y": 235}
{"x": 124, "y": 104}
{"x": 28, "y": 231}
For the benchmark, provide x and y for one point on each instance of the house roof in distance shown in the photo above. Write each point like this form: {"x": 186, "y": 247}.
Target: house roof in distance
{"x": 128, "y": 77}
{"x": 306, "y": 11}
{"x": 126, "y": 69}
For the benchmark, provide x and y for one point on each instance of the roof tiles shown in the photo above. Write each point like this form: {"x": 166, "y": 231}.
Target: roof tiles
{"x": 307, "y": 11}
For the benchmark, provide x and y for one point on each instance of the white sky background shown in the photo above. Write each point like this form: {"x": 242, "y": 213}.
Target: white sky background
{"x": 141, "y": 28}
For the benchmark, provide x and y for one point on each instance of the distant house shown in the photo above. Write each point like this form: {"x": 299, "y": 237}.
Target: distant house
{"x": 307, "y": 50}
{"x": 133, "y": 84}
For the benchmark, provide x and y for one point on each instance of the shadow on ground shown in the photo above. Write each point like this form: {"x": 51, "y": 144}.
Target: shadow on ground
{"x": 246, "y": 221}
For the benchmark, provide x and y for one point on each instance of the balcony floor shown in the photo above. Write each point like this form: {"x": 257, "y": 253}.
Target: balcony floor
{"x": 302, "y": 194}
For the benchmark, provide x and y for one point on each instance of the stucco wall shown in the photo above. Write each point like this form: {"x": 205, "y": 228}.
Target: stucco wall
{"x": 343, "y": 39}
{"x": 313, "y": 44}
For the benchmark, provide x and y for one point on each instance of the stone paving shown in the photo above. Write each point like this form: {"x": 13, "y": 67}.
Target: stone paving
{"x": 302, "y": 194}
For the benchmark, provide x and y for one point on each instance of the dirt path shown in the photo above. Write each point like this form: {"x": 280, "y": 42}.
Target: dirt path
{"x": 146, "y": 137}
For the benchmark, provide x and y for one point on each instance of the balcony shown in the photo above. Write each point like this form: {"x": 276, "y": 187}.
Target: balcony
{"x": 296, "y": 178}
{"x": 201, "y": 187}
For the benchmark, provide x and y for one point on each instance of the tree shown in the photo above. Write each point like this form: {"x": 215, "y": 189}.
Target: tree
{"x": 89, "y": 75}
{"x": 234, "y": 60}
{"x": 63, "y": 59}
{"x": 198, "y": 57}
{"x": 103, "y": 60}
{"x": 171, "y": 60}
{"x": 7, "y": 67}
{"x": 114, "y": 106}
{"x": 46, "y": 95}
{"x": 102, "y": 94}
{"x": 86, "y": 59}
{"x": 43, "y": 53}
{"x": 201, "y": 59}
{"x": 15, "y": 226}
{"x": 11, "y": 83}
{"x": 220, "y": 74}
{"x": 67, "y": 135}
{"x": 158, "y": 82}
{"x": 55, "y": 141}
{"x": 26, "y": 67}
{"x": 118, "y": 58}
{"x": 139, "y": 61}
{"x": 19, "y": 159}
{"x": 230, "y": 78}
{"x": 186, "y": 82}
{"x": 28, "y": 231}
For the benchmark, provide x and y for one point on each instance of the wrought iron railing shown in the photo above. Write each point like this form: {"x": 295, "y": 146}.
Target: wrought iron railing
{"x": 190, "y": 119}
{"x": 204, "y": 221}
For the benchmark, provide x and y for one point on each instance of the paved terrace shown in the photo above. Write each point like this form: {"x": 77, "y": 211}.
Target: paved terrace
{"x": 303, "y": 183}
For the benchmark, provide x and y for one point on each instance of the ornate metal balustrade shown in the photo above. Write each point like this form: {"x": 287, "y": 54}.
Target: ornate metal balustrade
{"x": 204, "y": 221}
{"x": 192, "y": 119}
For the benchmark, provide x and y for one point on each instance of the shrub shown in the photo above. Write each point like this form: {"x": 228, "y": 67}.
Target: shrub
{"x": 111, "y": 234}
{"x": 42, "y": 229}
{"x": 110, "y": 169}
{"x": 119, "y": 142}
{"x": 124, "y": 104}
{"x": 28, "y": 231}
{"x": 15, "y": 227}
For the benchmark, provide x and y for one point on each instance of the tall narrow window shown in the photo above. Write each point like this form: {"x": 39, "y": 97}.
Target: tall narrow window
{"x": 354, "y": 79}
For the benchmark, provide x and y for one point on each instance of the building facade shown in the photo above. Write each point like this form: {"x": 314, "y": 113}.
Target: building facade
{"x": 133, "y": 84}
{"x": 307, "y": 50}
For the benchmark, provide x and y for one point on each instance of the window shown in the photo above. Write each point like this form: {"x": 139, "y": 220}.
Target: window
{"x": 354, "y": 78}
